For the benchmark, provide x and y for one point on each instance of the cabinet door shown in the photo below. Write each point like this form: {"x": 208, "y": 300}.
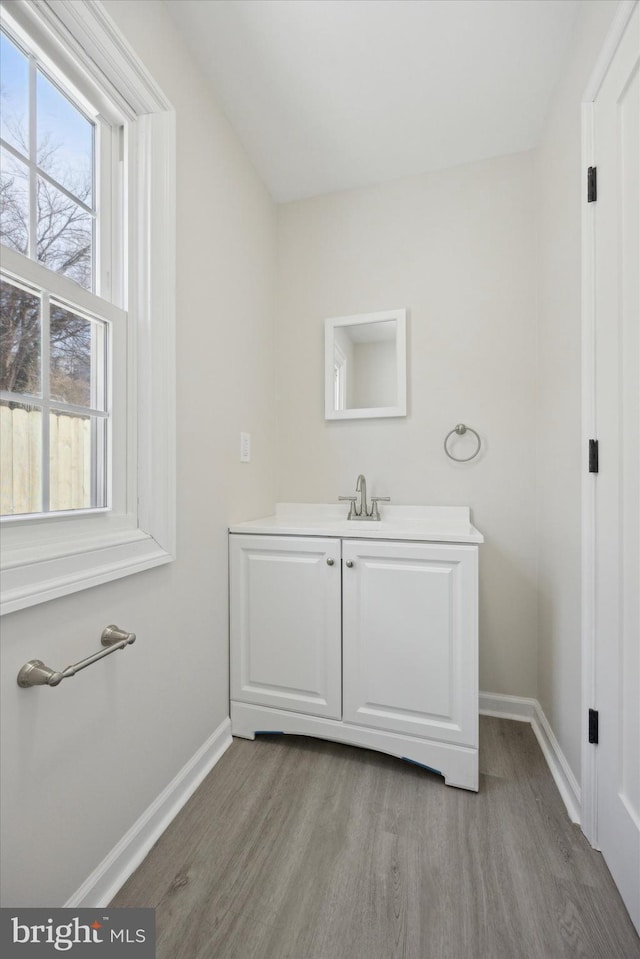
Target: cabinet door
{"x": 285, "y": 623}
{"x": 410, "y": 639}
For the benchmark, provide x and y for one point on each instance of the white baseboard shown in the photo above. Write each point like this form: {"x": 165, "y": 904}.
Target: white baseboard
{"x": 104, "y": 882}
{"x": 567, "y": 784}
{"x": 530, "y": 711}
{"x": 507, "y": 707}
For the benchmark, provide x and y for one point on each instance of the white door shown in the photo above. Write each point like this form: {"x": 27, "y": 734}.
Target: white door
{"x": 616, "y": 486}
{"x": 285, "y": 625}
{"x": 410, "y": 639}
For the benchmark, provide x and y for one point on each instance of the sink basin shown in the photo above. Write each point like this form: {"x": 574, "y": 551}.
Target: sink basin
{"x": 437, "y": 524}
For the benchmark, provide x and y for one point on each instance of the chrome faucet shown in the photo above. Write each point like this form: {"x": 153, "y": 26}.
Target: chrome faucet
{"x": 361, "y": 487}
{"x": 362, "y": 511}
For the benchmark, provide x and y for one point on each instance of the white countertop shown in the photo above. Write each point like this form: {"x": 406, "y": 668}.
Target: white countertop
{"x": 434, "y": 524}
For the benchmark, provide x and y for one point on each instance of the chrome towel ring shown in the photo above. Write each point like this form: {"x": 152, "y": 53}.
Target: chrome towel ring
{"x": 460, "y": 430}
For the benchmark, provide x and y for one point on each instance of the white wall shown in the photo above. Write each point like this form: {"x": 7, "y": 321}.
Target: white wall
{"x": 456, "y": 249}
{"x": 560, "y": 192}
{"x": 83, "y": 761}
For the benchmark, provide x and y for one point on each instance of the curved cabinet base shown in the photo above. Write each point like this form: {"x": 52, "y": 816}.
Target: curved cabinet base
{"x": 457, "y": 764}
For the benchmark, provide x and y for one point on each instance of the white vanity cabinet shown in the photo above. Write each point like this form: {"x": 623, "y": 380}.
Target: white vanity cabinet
{"x": 367, "y": 641}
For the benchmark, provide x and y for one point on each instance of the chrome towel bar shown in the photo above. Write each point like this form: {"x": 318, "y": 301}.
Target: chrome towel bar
{"x": 35, "y": 673}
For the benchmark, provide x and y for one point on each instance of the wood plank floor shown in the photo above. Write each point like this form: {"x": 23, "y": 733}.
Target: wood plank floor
{"x": 295, "y": 848}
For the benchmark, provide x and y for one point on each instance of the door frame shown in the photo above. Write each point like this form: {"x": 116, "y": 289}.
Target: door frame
{"x": 589, "y": 812}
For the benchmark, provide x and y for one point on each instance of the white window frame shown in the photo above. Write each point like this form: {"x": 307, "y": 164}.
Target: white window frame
{"x": 61, "y": 554}
{"x": 340, "y": 375}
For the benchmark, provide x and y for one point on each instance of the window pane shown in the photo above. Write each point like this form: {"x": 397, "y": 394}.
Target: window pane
{"x": 14, "y": 95}
{"x": 76, "y": 461}
{"x": 65, "y": 235}
{"x": 65, "y": 141}
{"x": 20, "y": 458}
{"x": 20, "y": 332}
{"x": 14, "y": 202}
{"x": 77, "y": 359}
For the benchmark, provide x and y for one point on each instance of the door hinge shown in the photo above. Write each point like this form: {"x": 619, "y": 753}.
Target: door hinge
{"x": 592, "y": 184}
{"x": 593, "y": 726}
{"x": 593, "y": 456}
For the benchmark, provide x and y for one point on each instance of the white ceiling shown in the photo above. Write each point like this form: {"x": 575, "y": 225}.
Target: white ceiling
{"x": 334, "y": 94}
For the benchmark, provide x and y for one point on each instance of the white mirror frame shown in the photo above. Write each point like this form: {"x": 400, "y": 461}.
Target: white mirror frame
{"x": 330, "y": 325}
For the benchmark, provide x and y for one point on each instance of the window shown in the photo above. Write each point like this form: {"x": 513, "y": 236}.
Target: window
{"x": 87, "y": 225}
{"x": 339, "y": 379}
{"x": 53, "y": 408}
{"x": 49, "y": 208}
{"x": 55, "y": 358}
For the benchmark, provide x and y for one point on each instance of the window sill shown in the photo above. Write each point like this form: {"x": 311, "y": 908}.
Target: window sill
{"x": 36, "y": 581}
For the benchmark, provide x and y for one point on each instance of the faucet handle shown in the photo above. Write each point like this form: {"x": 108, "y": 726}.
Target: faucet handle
{"x": 374, "y": 505}
{"x": 352, "y": 504}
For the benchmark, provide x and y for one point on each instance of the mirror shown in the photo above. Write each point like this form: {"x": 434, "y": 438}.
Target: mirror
{"x": 365, "y": 365}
